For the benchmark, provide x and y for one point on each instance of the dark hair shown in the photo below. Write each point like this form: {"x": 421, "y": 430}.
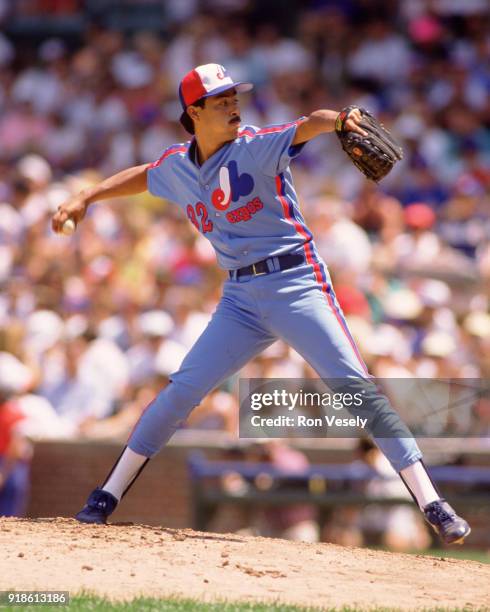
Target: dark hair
{"x": 185, "y": 119}
{"x": 199, "y": 102}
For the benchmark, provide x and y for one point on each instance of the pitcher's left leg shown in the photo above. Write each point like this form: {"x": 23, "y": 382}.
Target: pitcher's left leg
{"x": 307, "y": 316}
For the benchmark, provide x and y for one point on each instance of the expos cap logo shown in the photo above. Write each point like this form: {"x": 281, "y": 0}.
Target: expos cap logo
{"x": 232, "y": 186}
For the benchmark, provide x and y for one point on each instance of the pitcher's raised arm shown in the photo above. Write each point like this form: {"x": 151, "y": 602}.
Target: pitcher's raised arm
{"x": 128, "y": 182}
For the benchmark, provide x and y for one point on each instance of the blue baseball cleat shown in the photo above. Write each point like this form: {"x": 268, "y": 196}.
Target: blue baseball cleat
{"x": 450, "y": 527}
{"x": 99, "y": 506}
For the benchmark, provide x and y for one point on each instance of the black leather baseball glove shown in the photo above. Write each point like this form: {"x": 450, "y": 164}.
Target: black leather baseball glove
{"x": 374, "y": 154}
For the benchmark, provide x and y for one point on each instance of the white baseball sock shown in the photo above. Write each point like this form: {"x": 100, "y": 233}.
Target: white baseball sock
{"x": 417, "y": 479}
{"x": 124, "y": 472}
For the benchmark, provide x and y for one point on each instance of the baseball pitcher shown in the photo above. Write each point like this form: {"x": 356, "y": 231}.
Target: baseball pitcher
{"x": 234, "y": 184}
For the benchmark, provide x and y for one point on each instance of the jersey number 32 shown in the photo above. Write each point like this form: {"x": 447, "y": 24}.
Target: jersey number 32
{"x": 200, "y": 211}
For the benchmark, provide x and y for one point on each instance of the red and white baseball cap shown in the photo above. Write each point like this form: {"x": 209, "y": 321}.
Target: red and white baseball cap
{"x": 202, "y": 82}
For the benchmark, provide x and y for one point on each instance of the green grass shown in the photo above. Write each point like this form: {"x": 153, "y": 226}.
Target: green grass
{"x": 92, "y": 603}
{"x": 468, "y": 554}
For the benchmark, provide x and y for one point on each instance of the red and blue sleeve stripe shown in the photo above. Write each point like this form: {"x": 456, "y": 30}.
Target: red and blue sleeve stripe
{"x": 168, "y": 152}
{"x": 273, "y": 129}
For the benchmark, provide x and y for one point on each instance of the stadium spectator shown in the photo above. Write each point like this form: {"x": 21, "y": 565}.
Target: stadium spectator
{"x": 15, "y": 448}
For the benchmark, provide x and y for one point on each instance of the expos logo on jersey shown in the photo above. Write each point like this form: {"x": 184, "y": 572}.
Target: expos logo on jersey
{"x": 232, "y": 186}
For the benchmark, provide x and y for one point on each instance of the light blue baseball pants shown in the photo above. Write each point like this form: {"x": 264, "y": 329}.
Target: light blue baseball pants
{"x": 297, "y": 305}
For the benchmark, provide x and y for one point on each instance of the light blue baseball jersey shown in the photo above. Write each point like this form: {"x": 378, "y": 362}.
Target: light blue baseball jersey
{"x": 242, "y": 198}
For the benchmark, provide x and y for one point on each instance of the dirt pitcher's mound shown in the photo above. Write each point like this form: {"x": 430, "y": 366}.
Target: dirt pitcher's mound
{"x": 123, "y": 561}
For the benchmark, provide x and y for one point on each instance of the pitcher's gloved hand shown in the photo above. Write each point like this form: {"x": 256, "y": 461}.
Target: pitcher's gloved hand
{"x": 374, "y": 154}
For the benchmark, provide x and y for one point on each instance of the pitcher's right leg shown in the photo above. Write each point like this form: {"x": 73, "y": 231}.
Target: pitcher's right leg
{"x": 225, "y": 346}
{"x": 230, "y": 340}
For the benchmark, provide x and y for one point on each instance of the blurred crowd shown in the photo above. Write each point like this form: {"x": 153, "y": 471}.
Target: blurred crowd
{"x": 92, "y": 326}
{"x": 398, "y": 526}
